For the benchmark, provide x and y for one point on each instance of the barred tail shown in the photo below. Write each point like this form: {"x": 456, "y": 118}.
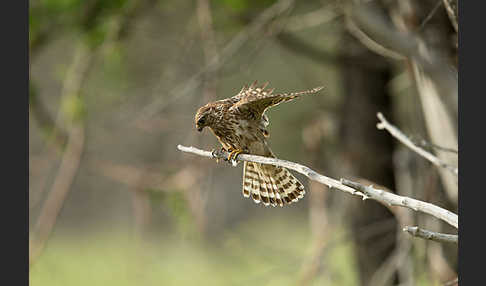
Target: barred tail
{"x": 270, "y": 185}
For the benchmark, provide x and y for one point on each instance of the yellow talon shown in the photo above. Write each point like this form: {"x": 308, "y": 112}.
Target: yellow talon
{"x": 233, "y": 154}
{"x": 230, "y": 155}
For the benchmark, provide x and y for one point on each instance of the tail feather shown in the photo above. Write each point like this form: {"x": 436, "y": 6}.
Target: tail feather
{"x": 270, "y": 185}
{"x": 278, "y": 198}
{"x": 261, "y": 189}
{"x": 251, "y": 182}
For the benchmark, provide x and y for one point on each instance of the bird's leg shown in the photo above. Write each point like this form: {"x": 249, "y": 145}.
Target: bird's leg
{"x": 229, "y": 150}
{"x": 232, "y": 156}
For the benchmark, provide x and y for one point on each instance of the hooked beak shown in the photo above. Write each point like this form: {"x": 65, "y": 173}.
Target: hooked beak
{"x": 200, "y": 129}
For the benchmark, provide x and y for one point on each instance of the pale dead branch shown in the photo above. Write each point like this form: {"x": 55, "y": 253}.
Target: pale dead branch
{"x": 396, "y": 200}
{"x": 426, "y": 144}
{"x": 440, "y": 126}
{"x": 395, "y": 132}
{"x": 353, "y": 188}
{"x": 431, "y": 235}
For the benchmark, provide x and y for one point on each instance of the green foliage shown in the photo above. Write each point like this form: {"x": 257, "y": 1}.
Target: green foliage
{"x": 61, "y": 6}
{"x": 96, "y": 35}
{"x": 244, "y": 5}
{"x": 81, "y": 15}
{"x": 49, "y": 12}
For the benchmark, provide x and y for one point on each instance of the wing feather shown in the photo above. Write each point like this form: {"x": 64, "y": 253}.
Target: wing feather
{"x": 257, "y": 99}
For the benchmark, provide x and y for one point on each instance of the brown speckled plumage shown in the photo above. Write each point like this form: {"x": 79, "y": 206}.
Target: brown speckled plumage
{"x": 239, "y": 123}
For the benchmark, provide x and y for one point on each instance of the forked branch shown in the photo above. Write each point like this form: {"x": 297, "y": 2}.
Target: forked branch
{"x": 431, "y": 235}
{"x": 353, "y": 188}
{"x": 395, "y": 132}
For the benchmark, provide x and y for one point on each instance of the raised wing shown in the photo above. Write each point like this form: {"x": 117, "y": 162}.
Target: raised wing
{"x": 257, "y": 99}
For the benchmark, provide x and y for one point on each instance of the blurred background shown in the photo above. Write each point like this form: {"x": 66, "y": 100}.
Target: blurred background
{"x": 115, "y": 84}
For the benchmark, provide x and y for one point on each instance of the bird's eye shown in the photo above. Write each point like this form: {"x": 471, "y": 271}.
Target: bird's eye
{"x": 201, "y": 121}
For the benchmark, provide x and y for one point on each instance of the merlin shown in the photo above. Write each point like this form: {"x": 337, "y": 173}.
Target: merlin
{"x": 240, "y": 123}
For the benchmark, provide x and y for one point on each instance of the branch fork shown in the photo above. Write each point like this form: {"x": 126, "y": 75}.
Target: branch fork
{"x": 344, "y": 185}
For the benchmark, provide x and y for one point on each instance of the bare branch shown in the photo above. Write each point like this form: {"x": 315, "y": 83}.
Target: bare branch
{"x": 426, "y": 144}
{"x": 395, "y": 132}
{"x": 375, "y": 25}
{"x": 344, "y": 185}
{"x": 74, "y": 80}
{"x": 440, "y": 125}
{"x": 370, "y": 43}
{"x": 300, "y": 47}
{"x": 186, "y": 87}
{"x": 311, "y": 19}
{"x": 431, "y": 235}
{"x": 54, "y": 134}
{"x": 62, "y": 184}
{"x": 210, "y": 79}
{"x": 451, "y": 8}
{"x": 396, "y": 200}
{"x": 430, "y": 15}
{"x": 308, "y": 172}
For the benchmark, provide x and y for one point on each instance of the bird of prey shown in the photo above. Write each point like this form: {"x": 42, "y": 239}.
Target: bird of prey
{"x": 239, "y": 123}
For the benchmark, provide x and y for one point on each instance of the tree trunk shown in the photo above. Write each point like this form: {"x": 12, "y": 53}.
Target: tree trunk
{"x": 367, "y": 153}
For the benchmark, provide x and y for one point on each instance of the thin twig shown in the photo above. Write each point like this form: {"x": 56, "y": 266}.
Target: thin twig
{"x": 395, "y": 132}
{"x": 311, "y": 19}
{"x": 300, "y": 47}
{"x": 344, "y": 185}
{"x": 426, "y": 144}
{"x": 431, "y": 235}
{"x": 430, "y": 15}
{"x": 370, "y": 43}
{"x": 377, "y": 27}
{"x": 186, "y": 87}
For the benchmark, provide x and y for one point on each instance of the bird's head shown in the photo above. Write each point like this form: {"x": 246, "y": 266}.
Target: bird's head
{"x": 203, "y": 117}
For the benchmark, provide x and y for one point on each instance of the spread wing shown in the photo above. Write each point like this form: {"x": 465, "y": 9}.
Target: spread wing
{"x": 256, "y": 99}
